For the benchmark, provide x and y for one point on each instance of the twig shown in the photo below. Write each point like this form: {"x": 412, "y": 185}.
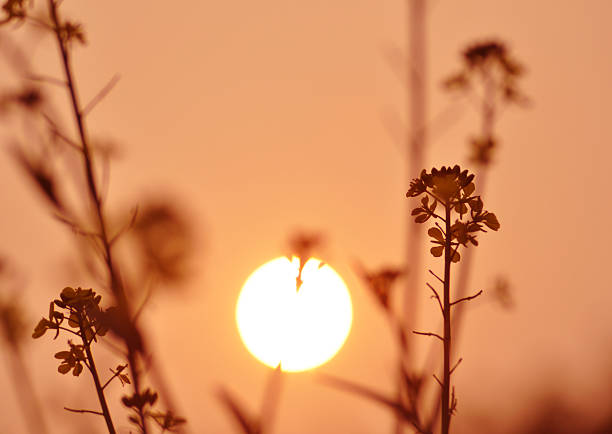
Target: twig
{"x": 456, "y": 364}
{"x": 126, "y": 227}
{"x": 437, "y": 379}
{"x": 100, "y": 95}
{"x": 46, "y": 79}
{"x": 435, "y": 335}
{"x": 84, "y": 411}
{"x": 471, "y": 297}
{"x": 437, "y": 297}
{"x": 436, "y": 276}
{"x": 115, "y": 375}
{"x": 59, "y": 134}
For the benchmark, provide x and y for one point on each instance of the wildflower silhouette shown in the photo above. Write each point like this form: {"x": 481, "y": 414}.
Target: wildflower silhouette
{"x": 80, "y": 308}
{"x": 79, "y": 312}
{"x": 489, "y": 74}
{"x": 139, "y": 403}
{"x": 453, "y": 190}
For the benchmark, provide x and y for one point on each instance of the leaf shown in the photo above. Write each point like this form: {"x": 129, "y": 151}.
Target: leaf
{"x": 460, "y": 208}
{"x": 422, "y": 218}
{"x": 40, "y": 328}
{"x": 491, "y": 221}
{"x": 416, "y": 211}
{"x": 437, "y": 251}
{"x": 469, "y": 189}
{"x": 476, "y": 205}
{"x": 456, "y": 257}
{"x": 38, "y": 333}
{"x": 473, "y": 227}
{"x": 436, "y": 233}
{"x": 246, "y": 422}
{"x": 372, "y": 395}
{"x": 63, "y": 355}
{"x": 63, "y": 368}
{"x": 433, "y": 206}
{"x": 73, "y": 321}
{"x": 77, "y": 370}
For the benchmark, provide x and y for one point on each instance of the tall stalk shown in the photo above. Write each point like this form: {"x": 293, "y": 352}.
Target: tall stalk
{"x": 454, "y": 190}
{"x": 445, "y": 418}
{"x": 115, "y": 281}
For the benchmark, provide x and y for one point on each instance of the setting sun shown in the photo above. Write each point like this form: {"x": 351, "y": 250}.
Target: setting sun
{"x": 299, "y": 329}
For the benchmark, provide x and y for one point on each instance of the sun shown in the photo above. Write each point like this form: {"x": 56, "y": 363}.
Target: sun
{"x": 299, "y": 329}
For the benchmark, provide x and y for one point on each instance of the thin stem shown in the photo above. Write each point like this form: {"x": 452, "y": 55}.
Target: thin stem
{"x": 116, "y": 286}
{"x": 435, "y": 335}
{"x": 448, "y": 254}
{"x": 471, "y": 297}
{"x": 96, "y": 378}
{"x": 115, "y": 374}
{"x": 437, "y": 297}
{"x": 74, "y": 410}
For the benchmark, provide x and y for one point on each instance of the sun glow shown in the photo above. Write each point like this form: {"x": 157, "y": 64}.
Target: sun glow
{"x": 299, "y": 329}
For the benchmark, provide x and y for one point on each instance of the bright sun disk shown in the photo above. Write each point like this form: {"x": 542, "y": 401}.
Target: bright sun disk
{"x": 299, "y": 329}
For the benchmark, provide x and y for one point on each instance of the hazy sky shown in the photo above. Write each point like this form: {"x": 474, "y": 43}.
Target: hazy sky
{"x": 260, "y": 118}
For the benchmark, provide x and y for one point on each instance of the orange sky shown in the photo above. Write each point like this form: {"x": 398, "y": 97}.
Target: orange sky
{"x": 265, "y": 117}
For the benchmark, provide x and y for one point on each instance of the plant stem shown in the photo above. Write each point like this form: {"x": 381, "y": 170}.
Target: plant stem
{"x": 448, "y": 252}
{"x": 96, "y": 378}
{"x": 115, "y": 282}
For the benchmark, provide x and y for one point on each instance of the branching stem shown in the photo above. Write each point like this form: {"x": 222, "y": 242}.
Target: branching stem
{"x": 116, "y": 285}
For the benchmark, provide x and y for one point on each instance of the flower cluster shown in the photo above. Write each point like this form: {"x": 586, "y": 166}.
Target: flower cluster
{"x": 82, "y": 309}
{"x": 14, "y": 10}
{"x": 454, "y": 190}
{"x": 446, "y": 184}
{"x": 139, "y": 403}
{"x": 167, "y": 421}
{"x": 490, "y": 58}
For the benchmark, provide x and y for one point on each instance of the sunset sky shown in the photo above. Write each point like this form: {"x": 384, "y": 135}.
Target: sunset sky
{"x": 260, "y": 119}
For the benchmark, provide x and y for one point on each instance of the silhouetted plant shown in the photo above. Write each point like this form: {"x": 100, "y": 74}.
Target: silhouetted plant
{"x": 247, "y": 421}
{"x": 453, "y": 190}
{"x": 489, "y": 76}
{"x": 79, "y": 308}
{"x": 406, "y": 403}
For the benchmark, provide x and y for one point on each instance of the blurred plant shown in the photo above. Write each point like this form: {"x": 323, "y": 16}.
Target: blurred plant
{"x": 453, "y": 189}
{"x": 162, "y": 236}
{"x": 406, "y": 403}
{"x": 13, "y": 326}
{"x": 248, "y": 422}
{"x": 488, "y": 76}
